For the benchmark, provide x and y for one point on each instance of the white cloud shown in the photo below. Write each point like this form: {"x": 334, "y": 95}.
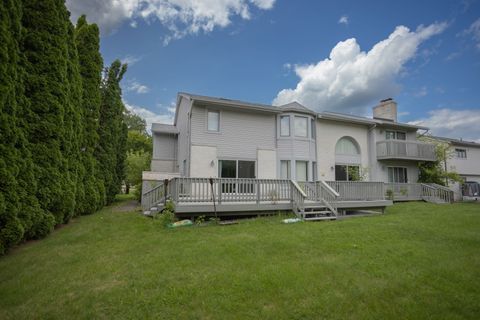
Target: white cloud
{"x": 151, "y": 117}
{"x": 135, "y": 86}
{"x": 180, "y": 17}
{"x": 474, "y": 32}
{"x": 422, "y": 92}
{"x": 453, "y": 123}
{"x": 350, "y": 79}
{"x": 343, "y": 20}
{"x": 130, "y": 60}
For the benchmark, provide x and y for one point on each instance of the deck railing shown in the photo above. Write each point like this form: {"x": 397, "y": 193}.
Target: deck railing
{"x": 196, "y": 190}
{"x": 404, "y": 149}
{"x": 154, "y": 196}
{"x": 358, "y": 190}
{"x": 404, "y": 191}
{"x": 436, "y": 193}
{"x": 298, "y": 197}
{"x": 273, "y": 191}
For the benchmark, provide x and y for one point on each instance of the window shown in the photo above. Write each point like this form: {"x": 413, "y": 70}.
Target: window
{"x": 213, "y": 121}
{"x": 314, "y": 171}
{"x": 285, "y": 126}
{"x": 312, "y": 128}
{"x": 285, "y": 169}
{"x": 236, "y": 169}
{"x": 301, "y": 126}
{"x": 347, "y": 173}
{"x": 346, "y": 146}
{"x": 301, "y": 170}
{"x": 461, "y": 153}
{"x": 395, "y": 135}
{"x": 397, "y": 175}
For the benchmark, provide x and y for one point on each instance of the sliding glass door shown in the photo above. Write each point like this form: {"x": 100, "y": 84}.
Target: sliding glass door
{"x": 236, "y": 169}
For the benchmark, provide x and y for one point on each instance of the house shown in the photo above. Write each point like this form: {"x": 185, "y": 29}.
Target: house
{"x": 463, "y": 158}
{"x": 229, "y": 139}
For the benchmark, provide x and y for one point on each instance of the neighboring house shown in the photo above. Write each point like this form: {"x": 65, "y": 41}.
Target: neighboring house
{"x": 464, "y": 159}
{"x": 216, "y": 137}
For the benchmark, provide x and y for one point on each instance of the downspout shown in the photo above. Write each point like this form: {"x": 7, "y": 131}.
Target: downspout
{"x": 372, "y": 153}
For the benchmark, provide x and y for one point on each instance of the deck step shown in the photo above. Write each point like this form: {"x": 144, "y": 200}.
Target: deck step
{"x": 318, "y": 212}
{"x": 320, "y": 218}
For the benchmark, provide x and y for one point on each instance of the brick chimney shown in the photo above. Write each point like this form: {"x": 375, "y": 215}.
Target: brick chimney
{"x": 386, "y": 110}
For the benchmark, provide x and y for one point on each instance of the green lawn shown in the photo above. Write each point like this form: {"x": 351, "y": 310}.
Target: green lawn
{"x": 417, "y": 261}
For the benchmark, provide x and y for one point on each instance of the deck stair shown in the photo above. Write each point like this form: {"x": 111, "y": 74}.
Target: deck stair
{"x": 436, "y": 193}
{"x": 317, "y": 213}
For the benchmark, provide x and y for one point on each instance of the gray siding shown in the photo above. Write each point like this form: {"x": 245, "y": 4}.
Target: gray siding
{"x": 241, "y": 133}
{"x": 164, "y": 146}
{"x": 183, "y": 126}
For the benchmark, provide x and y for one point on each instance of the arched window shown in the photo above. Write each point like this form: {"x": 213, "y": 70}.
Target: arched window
{"x": 347, "y": 146}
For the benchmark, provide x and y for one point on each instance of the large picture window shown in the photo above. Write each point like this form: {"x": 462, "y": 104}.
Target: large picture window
{"x": 347, "y": 172}
{"x": 285, "y": 126}
{"x": 301, "y": 126}
{"x": 213, "y": 121}
{"x": 397, "y": 175}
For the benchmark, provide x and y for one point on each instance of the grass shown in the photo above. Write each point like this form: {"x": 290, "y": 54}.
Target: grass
{"x": 418, "y": 260}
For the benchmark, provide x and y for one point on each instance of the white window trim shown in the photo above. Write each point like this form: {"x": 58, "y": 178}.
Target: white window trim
{"x": 219, "y": 120}
{"x": 405, "y": 132}
{"x": 406, "y": 171}
{"x": 306, "y": 136}
{"x": 456, "y": 153}
{"x": 289, "y": 126}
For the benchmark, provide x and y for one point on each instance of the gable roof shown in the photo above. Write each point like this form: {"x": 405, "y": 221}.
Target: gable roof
{"x": 296, "y": 107}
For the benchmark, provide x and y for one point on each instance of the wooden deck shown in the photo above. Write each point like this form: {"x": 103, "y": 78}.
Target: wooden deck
{"x": 308, "y": 200}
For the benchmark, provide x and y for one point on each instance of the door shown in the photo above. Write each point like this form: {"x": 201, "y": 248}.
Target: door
{"x": 246, "y": 169}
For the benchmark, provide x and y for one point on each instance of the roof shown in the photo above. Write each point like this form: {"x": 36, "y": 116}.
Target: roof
{"x": 291, "y": 107}
{"x": 328, "y": 115}
{"x": 231, "y": 103}
{"x": 164, "y": 128}
{"x": 296, "y": 107}
{"x": 457, "y": 141}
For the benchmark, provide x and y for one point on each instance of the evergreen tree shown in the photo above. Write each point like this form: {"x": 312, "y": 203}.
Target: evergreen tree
{"x": 91, "y": 63}
{"x": 11, "y": 229}
{"x": 112, "y": 131}
{"x": 45, "y": 46}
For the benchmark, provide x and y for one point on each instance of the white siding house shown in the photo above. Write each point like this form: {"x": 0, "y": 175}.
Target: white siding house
{"x": 247, "y": 156}
{"x": 216, "y": 137}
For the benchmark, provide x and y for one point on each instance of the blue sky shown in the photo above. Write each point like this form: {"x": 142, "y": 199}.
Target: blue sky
{"x": 340, "y": 56}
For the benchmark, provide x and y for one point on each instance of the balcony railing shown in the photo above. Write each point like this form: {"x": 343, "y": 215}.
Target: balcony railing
{"x": 409, "y": 150}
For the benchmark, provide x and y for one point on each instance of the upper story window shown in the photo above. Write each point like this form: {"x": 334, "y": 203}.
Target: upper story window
{"x": 285, "y": 126}
{"x": 301, "y": 126}
{"x": 346, "y": 146}
{"x": 461, "y": 153}
{"x": 395, "y": 135}
{"x": 213, "y": 121}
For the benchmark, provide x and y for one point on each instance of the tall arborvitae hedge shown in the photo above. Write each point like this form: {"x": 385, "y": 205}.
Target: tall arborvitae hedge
{"x": 112, "y": 131}
{"x": 11, "y": 229}
{"x": 87, "y": 39}
{"x": 59, "y": 152}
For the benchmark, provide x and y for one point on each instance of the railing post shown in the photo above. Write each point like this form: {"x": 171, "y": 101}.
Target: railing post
{"x": 219, "y": 181}
{"x": 258, "y": 191}
{"x": 165, "y": 191}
